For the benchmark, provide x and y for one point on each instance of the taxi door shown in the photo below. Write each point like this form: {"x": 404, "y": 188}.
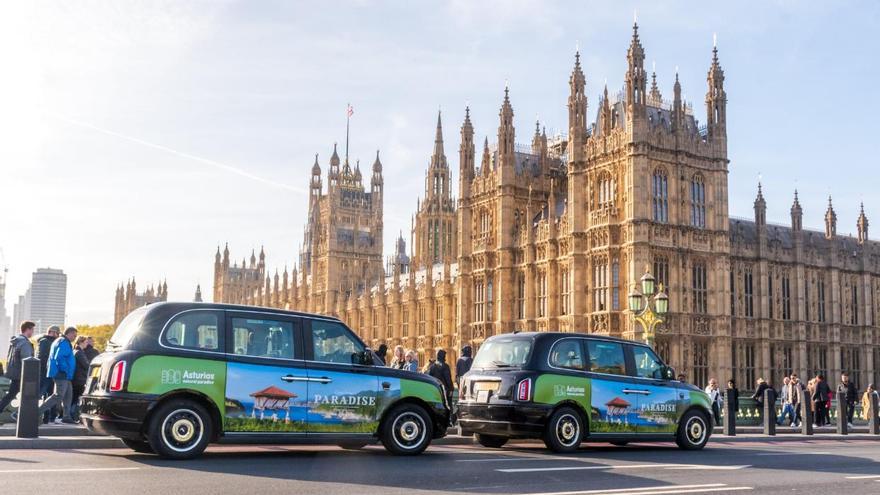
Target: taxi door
{"x": 659, "y": 398}
{"x": 266, "y": 376}
{"x": 344, "y": 396}
{"x": 613, "y": 395}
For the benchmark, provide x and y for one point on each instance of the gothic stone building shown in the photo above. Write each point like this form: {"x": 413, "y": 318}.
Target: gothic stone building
{"x": 553, "y": 236}
{"x": 129, "y": 299}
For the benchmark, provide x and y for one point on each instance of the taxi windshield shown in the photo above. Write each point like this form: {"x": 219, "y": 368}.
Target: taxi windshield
{"x": 503, "y": 353}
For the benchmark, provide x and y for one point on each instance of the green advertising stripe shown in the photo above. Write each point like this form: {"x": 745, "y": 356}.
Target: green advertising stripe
{"x": 162, "y": 374}
{"x": 552, "y": 389}
{"x": 428, "y": 392}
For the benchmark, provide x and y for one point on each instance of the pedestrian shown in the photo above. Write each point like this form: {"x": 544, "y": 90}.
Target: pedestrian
{"x": 681, "y": 377}
{"x": 91, "y": 352}
{"x": 796, "y": 394}
{"x": 866, "y": 401}
{"x": 399, "y": 359}
{"x": 44, "y": 345}
{"x": 851, "y": 395}
{"x": 411, "y": 361}
{"x": 62, "y": 366}
{"x": 821, "y": 391}
{"x": 715, "y": 398}
{"x": 758, "y": 396}
{"x": 785, "y": 397}
{"x": 382, "y": 352}
{"x": 440, "y": 370}
{"x": 734, "y": 395}
{"x": 463, "y": 365}
{"x": 20, "y": 348}
{"x": 80, "y": 375}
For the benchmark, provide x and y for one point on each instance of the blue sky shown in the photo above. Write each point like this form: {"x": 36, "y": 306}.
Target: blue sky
{"x": 139, "y": 135}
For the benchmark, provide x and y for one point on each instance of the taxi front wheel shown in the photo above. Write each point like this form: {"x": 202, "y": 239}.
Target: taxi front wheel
{"x": 564, "y": 432}
{"x": 407, "y": 430}
{"x": 693, "y": 431}
{"x": 179, "y": 429}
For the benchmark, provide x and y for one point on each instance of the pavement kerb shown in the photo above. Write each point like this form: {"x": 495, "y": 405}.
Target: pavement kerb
{"x": 104, "y": 442}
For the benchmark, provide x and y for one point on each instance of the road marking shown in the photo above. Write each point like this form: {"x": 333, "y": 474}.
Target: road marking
{"x": 661, "y": 490}
{"x": 865, "y": 477}
{"x": 794, "y": 453}
{"x": 621, "y": 466}
{"x": 65, "y": 470}
{"x": 626, "y": 490}
{"x": 501, "y": 459}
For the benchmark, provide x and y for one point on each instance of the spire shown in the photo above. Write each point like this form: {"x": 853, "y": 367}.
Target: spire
{"x": 198, "y": 295}
{"x": 716, "y": 98}
{"x": 862, "y": 224}
{"x": 334, "y": 159}
{"x": 830, "y": 221}
{"x": 466, "y": 155}
{"x": 438, "y": 141}
{"x": 253, "y": 258}
{"x": 486, "y": 165}
{"x": 797, "y": 214}
{"x": 377, "y": 165}
{"x": 655, "y": 90}
{"x": 677, "y": 108}
{"x": 760, "y": 208}
{"x": 316, "y": 168}
{"x": 577, "y": 109}
{"x": 635, "y": 75}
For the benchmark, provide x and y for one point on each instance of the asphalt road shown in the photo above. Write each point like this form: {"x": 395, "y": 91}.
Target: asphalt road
{"x": 818, "y": 466}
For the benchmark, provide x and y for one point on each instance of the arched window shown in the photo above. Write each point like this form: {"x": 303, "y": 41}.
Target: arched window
{"x": 698, "y": 202}
{"x": 605, "y": 191}
{"x": 660, "y": 192}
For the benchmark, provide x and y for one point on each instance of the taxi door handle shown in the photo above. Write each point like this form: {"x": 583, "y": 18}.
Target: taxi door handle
{"x": 291, "y": 378}
{"x": 632, "y": 391}
{"x": 325, "y": 380}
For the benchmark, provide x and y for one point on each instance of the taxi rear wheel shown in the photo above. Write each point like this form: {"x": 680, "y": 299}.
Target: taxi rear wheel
{"x": 140, "y": 446}
{"x": 491, "y": 441}
{"x": 180, "y": 429}
{"x": 564, "y": 432}
{"x": 693, "y": 431}
{"x": 407, "y": 430}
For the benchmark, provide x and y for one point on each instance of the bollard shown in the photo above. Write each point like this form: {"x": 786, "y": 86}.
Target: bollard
{"x": 729, "y": 413}
{"x": 806, "y": 416}
{"x": 873, "y": 419}
{"x": 769, "y": 412}
{"x": 841, "y": 413}
{"x": 28, "y": 409}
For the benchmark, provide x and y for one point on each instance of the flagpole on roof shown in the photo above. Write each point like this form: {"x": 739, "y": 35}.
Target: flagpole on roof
{"x": 348, "y": 112}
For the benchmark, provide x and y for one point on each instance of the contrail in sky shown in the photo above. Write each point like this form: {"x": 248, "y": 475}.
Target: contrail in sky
{"x": 206, "y": 161}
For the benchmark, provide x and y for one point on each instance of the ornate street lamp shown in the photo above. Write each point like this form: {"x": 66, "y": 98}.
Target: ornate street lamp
{"x": 648, "y": 307}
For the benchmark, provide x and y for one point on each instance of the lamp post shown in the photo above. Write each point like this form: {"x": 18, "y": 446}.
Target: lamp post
{"x": 648, "y": 305}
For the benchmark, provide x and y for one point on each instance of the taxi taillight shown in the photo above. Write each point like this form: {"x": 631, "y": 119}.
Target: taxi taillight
{"x": 524, "y": 390}
{"x": 117, "y": 377}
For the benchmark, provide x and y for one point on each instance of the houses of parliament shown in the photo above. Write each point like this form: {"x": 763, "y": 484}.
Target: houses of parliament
{"x": 553, "y": 235}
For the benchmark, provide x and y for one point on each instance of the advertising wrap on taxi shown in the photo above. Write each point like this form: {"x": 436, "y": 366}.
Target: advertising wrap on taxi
{"x": 161, "y": 374}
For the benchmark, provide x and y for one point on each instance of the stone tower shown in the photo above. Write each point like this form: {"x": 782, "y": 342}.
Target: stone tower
{"x": 435, "y": 229}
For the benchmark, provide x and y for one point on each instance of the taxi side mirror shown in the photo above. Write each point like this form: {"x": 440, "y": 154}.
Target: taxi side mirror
{"x": 669, "y": 373}
{"x": 364, "y": 358}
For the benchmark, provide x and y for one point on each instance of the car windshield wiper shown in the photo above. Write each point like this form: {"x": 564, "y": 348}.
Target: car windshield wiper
{"x": 500, "y": 364}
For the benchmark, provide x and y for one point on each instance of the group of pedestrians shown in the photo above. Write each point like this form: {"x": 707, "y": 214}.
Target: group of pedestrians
{"x": 64, "y": 366}
{"x": 438, "y": 368}
{"x": 793, "y": 393}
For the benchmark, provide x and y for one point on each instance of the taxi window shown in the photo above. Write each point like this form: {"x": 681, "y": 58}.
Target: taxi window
{"x": 194, "y": 330}
{"x": 263, "y": 338}
{"x": 333, "y": 343}
{"x": 567, "y": 353}
{"x": 606, "y": 357}
{"x": 648, "y": 365}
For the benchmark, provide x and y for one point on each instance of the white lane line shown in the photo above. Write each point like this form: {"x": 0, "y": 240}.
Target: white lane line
{"x": 864, "y": 477}
{"x": 794, "y": 453}
{"x": 626, "y": 490}
{"x": 668, "y": 490}
{"x": 501, "y": 459}
{"x": 65, "y": 470}
{"x": 622, "y": 466}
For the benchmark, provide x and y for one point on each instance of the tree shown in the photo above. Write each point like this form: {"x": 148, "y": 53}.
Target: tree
{"x": 101, "y": 333}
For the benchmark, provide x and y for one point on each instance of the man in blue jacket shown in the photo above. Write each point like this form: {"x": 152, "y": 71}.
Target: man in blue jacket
{"x": 61, "y": 367}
